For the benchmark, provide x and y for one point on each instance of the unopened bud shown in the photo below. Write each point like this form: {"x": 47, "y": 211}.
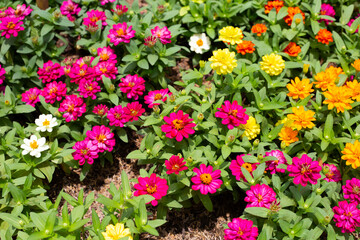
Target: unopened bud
{"x": 23, "y": 69}
{"x": 256, "y": 142}
{"x": 200, "y": 116}
{"x": 183, "y": 92}
{"x": 57, "y": 14}
{"x": 298, "y": 21}
{"x": 283, "y": 145}
{"x": 112, "y": 87}
{"x": 260, "y": 157}
{"x": 202, "y": 63}
{"x": 189, "y": 159}
{"x": 172, "y": 98}
{"x": 161, "y": 9}
{"x": 306, "y": 68}
{"x": 35, "y": 40}
{"x": 231, "y": 138}
{"x": 156, "y": 109}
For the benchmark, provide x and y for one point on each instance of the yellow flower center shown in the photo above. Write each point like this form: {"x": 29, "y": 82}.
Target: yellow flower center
{"x": 46, "y": 123}
{"x": 94, "y": 19}
{"x": 175, "y": 167}
{"x": 248, "y": 167}
{"x": 260, "y": 197}
{"x": 200, "y": 42}
{"x": 233, "y": 112}
{"x": 356, "y": 189}
{"x": 178, "y": 124}
{"x": 71, "y": 108}
{"x": 206, "y": 178}
{"x": 240, "y": 232}
{"x": 133, "y": 112}
{"x": 120, "y": 32}
{"x": 348, "y": 214}
{"x": 151, "y": 189}
{"x": 101, "y": 138}
{"x": 34, "y": 144}
{"x": 158, "y": 97}
{"x": 131, "y": 84}
{"x": 84, "y": 151}
{"x": 104, "y": 56}
{"x": 82, "y": 73}
{"x": 89, "y": 88}
{"x": 10, "y": 25}
{"x": 103, "y": 70}
{"x": 53, "y": 90}
{"x": 33, "y": 97}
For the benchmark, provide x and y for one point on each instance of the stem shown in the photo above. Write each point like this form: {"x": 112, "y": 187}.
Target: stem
{"x": 42, "y": 4}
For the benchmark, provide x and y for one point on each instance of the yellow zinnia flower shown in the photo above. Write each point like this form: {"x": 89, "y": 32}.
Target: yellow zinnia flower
{"x": 299, "y": 88}
{"x": 286, "y": 121}
{"x": 338, "y": 97}
{"x": 252, "y": 128}
{"x": 354, "y": 87}
{"x": 272, "y": 64}
{"x": 116, "y": 232}
{"x": 231, "y": 35}
{"x": 223, "y": 61}
{"x": 287, "y": 135}
{"x": 328, "y": 78}
{"x": 352, "y": 154}
{"x": 302, "y": 118}
{"x": 356, "y": 65}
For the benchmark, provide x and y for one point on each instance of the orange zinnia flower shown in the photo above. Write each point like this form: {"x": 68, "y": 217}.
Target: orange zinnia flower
{"x": 324, "y": 36}
{"x": 299, "y": 88}
{"x": 292, "y": 49}
{"x": 259, "y": 28}
{"x": 339, "y": 97}
{"x": 302, "y": 119}
{"x": 354, "y": 87}
{"x": 292, "y": 11}
{"x": 352, "y": 154}
{"x": 356, "y": 65}
{"x": 328, "y": 78}
{"x": 273, "y": 4}
{"x": 287, "y": 135}
{"x": 245, "y": 47}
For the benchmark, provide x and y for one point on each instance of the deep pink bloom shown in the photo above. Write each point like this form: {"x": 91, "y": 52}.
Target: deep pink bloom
{"x": 10, "y": 26}
{"x": 133, "y": 111}
{"x": 206, "y": 180}
{"x": 73, "y": 107}
{"x": 101, "y": 110}
{"x": 331, "y": 172}
{"x": 106, "y": 53}
{"x": 327, "y": 9}
{"x": 121, "y": 33}
{"x": 102, "y": 137}
{"x": 2, "y": 74}
{"x": 347, "y": 216}
{"x": 153, "y": 186}
{"x": 133, "y": 86}
{"x": 120, "y": 10}
{"x": 50, "y": 71}
{"x": 304, "y": 170}
{"x": 81, "y": 71}
{"x": 155, "y": 96}
{"x": 107, "y": 69}
{"x": 235, "y": 167}
{"x": 175, "y": 165}
{"x": 20, "y": 12}
{"x": 178, "y": 126}
{"x": 241, "y": 229}
{"x": 352, "y": 190}
{"x": 272, "y": 165}
{"x": 31, "y": 96}
{"x": 150, "y": 41}
{"x": 260, "y": 196}
{"x": 85, "y": 152}
{"x": 54, "y": 91}
{"x": 163, "y": 34}
{"x": 88, "y": 88}
{"x": 232, "y": 114}
{"x": 103, "y": 2}
{"x": 117, "y": 116}
{"x": 94, "y": 16}
{"x": 69, "y": 8}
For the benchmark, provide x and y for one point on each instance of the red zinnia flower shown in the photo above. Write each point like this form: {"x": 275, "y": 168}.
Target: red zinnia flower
{"x": 153, "y": 186}
{"x": 133, "y": 86}
{"x": 100, "y": 110}
{"x": 178, "y": 126}
{"x": 73, "y": 106}
{"x": 292, "y": 49}
{"x": 304, "y": 170}
{"x": 54, "y": 91}
{"x": 156, "y": 95}
{"x": 85, "y": 152}
{"x": 31, "y": 96}
{"x": 50, "y": 71}
{"x": 175, "y": 165}
{"x": 232, "y": 114}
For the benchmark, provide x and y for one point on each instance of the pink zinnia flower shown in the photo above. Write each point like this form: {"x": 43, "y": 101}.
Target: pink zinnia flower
{"x": 81, "y": 71}
{"x": 304, "y": 170}
{"x": 121, "y": 33}
{"x": 102, "y": 137}
{"x": 107, "y": 69}
{"x": 69, "y": 8}
{"x": 88, "y": 88}
{"x": 133, "y": 111}
{"x": 241, "y": 229}
{"x": 331, "y": 172}
{"x": 327, "y": 9}
{"x": 232, "y": 114}
{"x": 155, "y": 96}
{"x": 163, "y": 34}
{"x": 206, "y": 180}
{"x": 178, "y": 126}
{"x": 120, "y": 10}
{"x": 50, "y": 71}
{"x": 117, "y": 116}
{"x": 101, "y": 110}
{"x": 106, "y": 53}
{"x": 2, "y": 74}
{"x": 85, "y": 152}
{"x": 31, "y": 96}
{"x": 54, "y": 91}
{"x": 235, "y": 167}
{"x": 272, "y": 165}
{"x": 133, "y": 86}
{"x": 260, "y": 196}
{"x": 93, "y": 17}
{"x": 10, "y": 26}
{"x": 73, "y": 107}
{"x": 153, "y": 186}
{"x": 352, "y": 190}
{"x": 103, "y": 2}
{"x": 150, "y": 41}
{"x": 20, "y": 12}
{"x": 347, "y": 216}
{"x": 175, "y": 165}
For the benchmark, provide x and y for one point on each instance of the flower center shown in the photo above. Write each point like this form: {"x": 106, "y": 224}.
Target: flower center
{"x": 356, "y": 189}
{"x": 118, "y": 116}
{"x": 10, "y": 25}
{"x": 200, "y": 42}
{"x": 33, "y": 96}
{"x": 305, "y": 169}
{"x": 120, "y": 32}
{"x": 82, "y": 73}
{"x": 158, "y": 34}
{"x": 175, "y": 167}
{"x": 104, "y": 56}
{"x": 348, "y": 214}
{"x": 71, "y": 108}
{"x": 206, "y": 178}
{"x": 53, "y": 90}
{"x": 131, "y": 84}
{"x": 158, "y": 97}
{"x": 94, "y": 19}
{"x": 103, "y": 70}
{"x": 89, "y": 87}
{"x": 101, "y": 138}
{"x": 34, "y": 145}
{"x": 260, "y": 197}
{"x": 240, "y": 232}
{"x": 84, "y": 151}
{"x": 70, "y": 7}
{"x": 322, "y": 12}
{"x": 178, "y": 124}
{"x": 248, "y": 167}
{"x": 151, "y": 189}
{"x": 46, "y": 123}
{"x": 133, "y": 112}
{"x": 233, "y": 112}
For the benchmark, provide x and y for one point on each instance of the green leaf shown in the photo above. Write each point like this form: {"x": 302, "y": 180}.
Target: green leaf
{"x": 172, "y": 50}
{"x": 328, "y": 129}
{"x": 143, "y": 64}
{"x": 50, "y": 222}
{"x": 143, "y": 212}
{"x": 78, "y": 224}
{"x": 18, "y": 195}
{"x": 192, "y": 75}
{"x": 14, "y": 221}
{"x": 150, "y": 230}
{"x": 206, "y": 201}
{"x": 125, "y": 185}
{"x": 137, "y": 154}
{"x": 114, "y": 98}
{"x": 45, "y": 29}
{"x": 258, "y": 211}
{"x": 340, "y": 45}
{"x": 152, "y": 58}
{"x": 225, "y": 151}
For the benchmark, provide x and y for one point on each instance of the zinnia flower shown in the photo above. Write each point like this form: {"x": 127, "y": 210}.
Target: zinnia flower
{"x": 277, "y": 4}
{"x": 352, "y": 154}
{"x": 50, "y": 71}
{"x": 133, "y": 86}
{"x": 133, "y": 111}
{"x": 299, "y": 88}
{"x": 328, "y": 78}
{"x": 206, "y": 180}
{"x": 10, "y": 26}
{"x": 107, "y": 69}
{"x": 331, "y": 172}
{"x": 117, "y": 232}
{"x": 153, "y": 186}
{"x": 20, "y": 12}
{"x": 31, "y": 96}
{"x": 356, "y": 65}
{"x": 252, "y": 128}
{"x": 150, "y": 41}
{"x": 155, "y": 96}
{"x": 88, "y": 88}
{"x": 93, "y": 17}
{"x": 260, "y": 196}
{"x": 231, "y": 35}
{"x": 102, "y": 137}
{"x": 121, "y": 33}
{"x": 117, "y": 116}
{"x": 45, "y": 122}
{"x": 324, "y": 36}
{"x": 73, "y": 106}
{"x": 175, "y": 165}
{"x": 69, "y": 8}
{"x": 232, "y": 114}
{"x": 328, "y": 10}
{"x": 245, "y": 47}
{"x": 223, "y": 61}
{"x": 292, "y": 49}
{"x": 292, "y": 11}
{"x": 163, "y": 34}
{"x": 352, "y": 190}
{"x": 120, "y": 9}
{"x": 81, "y": 71}
{"x": 272, "y": 166}
{"x": 272, "y": 64}
{"x": 288, "y": 135}
{"x": 103, "y": 2}
{"x": 339, "y": 97}
{"x": 54, "y": 91}
{"x": 347, "y": 216}
{"x": 178, "y": 126}
{"x": 259, "y": 29}
{"x": 241, "y": 229}
{"x": 199, "y": 43}
{"x": 34, "y": 146}
{"x": 235, "y": 167}
{"x": 106, "y": 53}
{"x": 86, "y": 151}
{"x": 302, "y": 118}
{"x": 2, "y": 74}
{"x": 354, "y": 87}
{"x": 101, "y": 110}
{"x": 304, "y": 170}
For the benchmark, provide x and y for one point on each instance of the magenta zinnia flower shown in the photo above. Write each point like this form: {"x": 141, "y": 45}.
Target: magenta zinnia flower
{"x": 178, "y": 126}
{"x": 103, "y": 2}
{"x": 304, "y": 170}
{"x": 50, "y": 71}
{"x": 88, "y": 88}
{"x": 133, "y": 111}
{"x": 20, "y": 12}
{"x": 352, "y": 190}
{"x": 327, "y": 9}
{"x": 163, "y": 34}
{"x": 106, "y": 53}
{"x": 232, "y": 114}
{"x": 102, "y": 137}
{"x": 93, "y": 17}
{"x": 69, "y": 8}
{"x": 150, "y": 41}
{"x": 85, "y": 152}
{"x": 156, "y": 95}
{"x": 272, "y": 165}
{"x": 331, "y": 172}
{"x": 120, "y": 10}
{"x": 347, "y": 216}
{"x": 80, "y": 71}
{"x": 241, "y": 229}
{"x": 2, "y": 74}
{"x": 235, "y": 167}
{"x": 260, "y": 196}
{"x": 121, "y": 33}
{"x": 107, "y": 69}
{"x": 100, "y": 110}
{"x": 133, "y": 86}
{"x": 73, "y": 107}
{"x": 153, "y": 186}
{"x": 54, "y": 91}
{"x": 10, "y": 26}
{"x": 206, "y": 180}
{"x": 117, "y": 116}
{"x": 31, "y": 96}
{"x": 175, "y": 165}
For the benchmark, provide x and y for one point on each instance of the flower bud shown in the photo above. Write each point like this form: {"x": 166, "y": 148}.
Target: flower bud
{"x": 200, "y": 116}
{"x": 283, "y": 145}
{"x": 202, "y": 63}
{"x": 112, "y": 87}
{"x": 156, "y": 109}
{"x": 306, "y": 68}
{"x": 172, "y": 97}
{"x": 297, "y": 21}
{"x": 189, "y": 159}
{"x": 148, "y": 151}
{"x": 327, "y": 220}
{"x": 256, "y": 142}
{"x": 35, "y": 40}
{"x": 161, "y": 9}
{"x": 179, "y": 155}
{"x": 260, "y": 157}
{"x": 7, "y": 102}
{"x": 57, "y": 114}
{"x": 115, "y": 18}
{"x": 57, "y": 14}
{"x": 183, "y": 92}
{"x": 23, "y": 69}
{"x": 231, "y": 138}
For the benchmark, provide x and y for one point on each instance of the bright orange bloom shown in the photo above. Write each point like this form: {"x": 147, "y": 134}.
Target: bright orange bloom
{"x": 328, "y": 78}
{"x": 245, "y": 47}
{"x": 324, "y": 36}
{"x": 356, "y": 65}
{"x": 339, "y": 97}
{"x": 354, "y": 87}
{"x": 273, "y": 4}
{"x": 292, "y": 11}
{"x": 352, "y": 154}
{"x": 287, "y": 135}
{"x": 259, "y": 28}
{"x": 292, "y": 49}
{"x": 302, "y": 119}
{"x": 299, "y": 88}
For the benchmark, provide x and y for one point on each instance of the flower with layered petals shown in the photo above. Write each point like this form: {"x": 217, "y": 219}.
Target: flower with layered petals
{"x": 206, "y": 180}
{"x": 288, "y": 135}
{"x": 351, "y": 154}
{"x": 117, "y": 116}
{"x": 328, "y": 10}
{"x": 260, "y": 196}
{"x": 34, "y": 146}
{"x": 292, "y": 11}
{"x": 20, "y": 12}
{"x": 2, "y": 74}
{"x": 93, "y": 17}
{"x": 245, "y": 47}
{"x": 272, "y": 64}
{"x": 10, "y": 26}
{"x": 45, "y": 122}
{"x": 199, "y": 43}
{"x": 304, "y": 170}
{"x": 272, "y": 165}
{"x": 121, "y": 33}
{"x": 120, "y": 9}
{"x": 81, "y": 71}
{"x": 277, "y": 4}
{"x": 31, "y": 96}
{"x": 133, "y": 111}
{"x": 235, "y": 167}
{"x": 223, "y": 61}
{"x": 50, "y": 71}
{"x": 339, "y": 97}
{"x": 252, "y": 128}
{"x": 302, "y": 119}
{"x": 356, "y": 65}
{"x": 73, "y": 107}
{"x": 85, "y": 151}
{"x": 292, "y": 49}
{"x": 347, "y": 216}
{"x": 156, "y": 95}
{"x": 231, "y": 35}
{"x": 175, "y": 165}
{"x": 241, "y": 229}
{"x": 328, "y": 78}
{"x": 88, "y": 88}
{"x": 101, "y": 110}
{"x": 117, "y": 232}
{"x": 354, "y": 87}
{"x": 68, "y": 8}
{"x": 331, "y": 172}
{"x": 150, "y": 41}
{"x": 102, "y": 137}
{"x": 103, "y": 2}
{"x": 54, "y": 91}
{"x": 153, "y": 186}
{"x": 107, "y": 69}
{"x": 106, "y": 53}
{"x": 324, "y": 36}
{"x": 259, "y": 29}
{"x": 178, "y": 125}
{"x": 299, "y": 88}
{"x": 232, "y": 114}
{"x": 352, "y": 190}
{"x": 133, "y": 86}
{"x": 163, "y": 34}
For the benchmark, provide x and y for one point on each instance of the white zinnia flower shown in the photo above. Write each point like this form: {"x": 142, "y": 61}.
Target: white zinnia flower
{"x": 199, "y": 43}
{"x": 34, "y": 146}
{"x": 45, "y": 123}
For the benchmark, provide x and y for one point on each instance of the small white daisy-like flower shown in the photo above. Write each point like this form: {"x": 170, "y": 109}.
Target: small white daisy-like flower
{"x": 45, "y": 122}
{"x": 34, "y": 146}
{"x": 199, "y": 43}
